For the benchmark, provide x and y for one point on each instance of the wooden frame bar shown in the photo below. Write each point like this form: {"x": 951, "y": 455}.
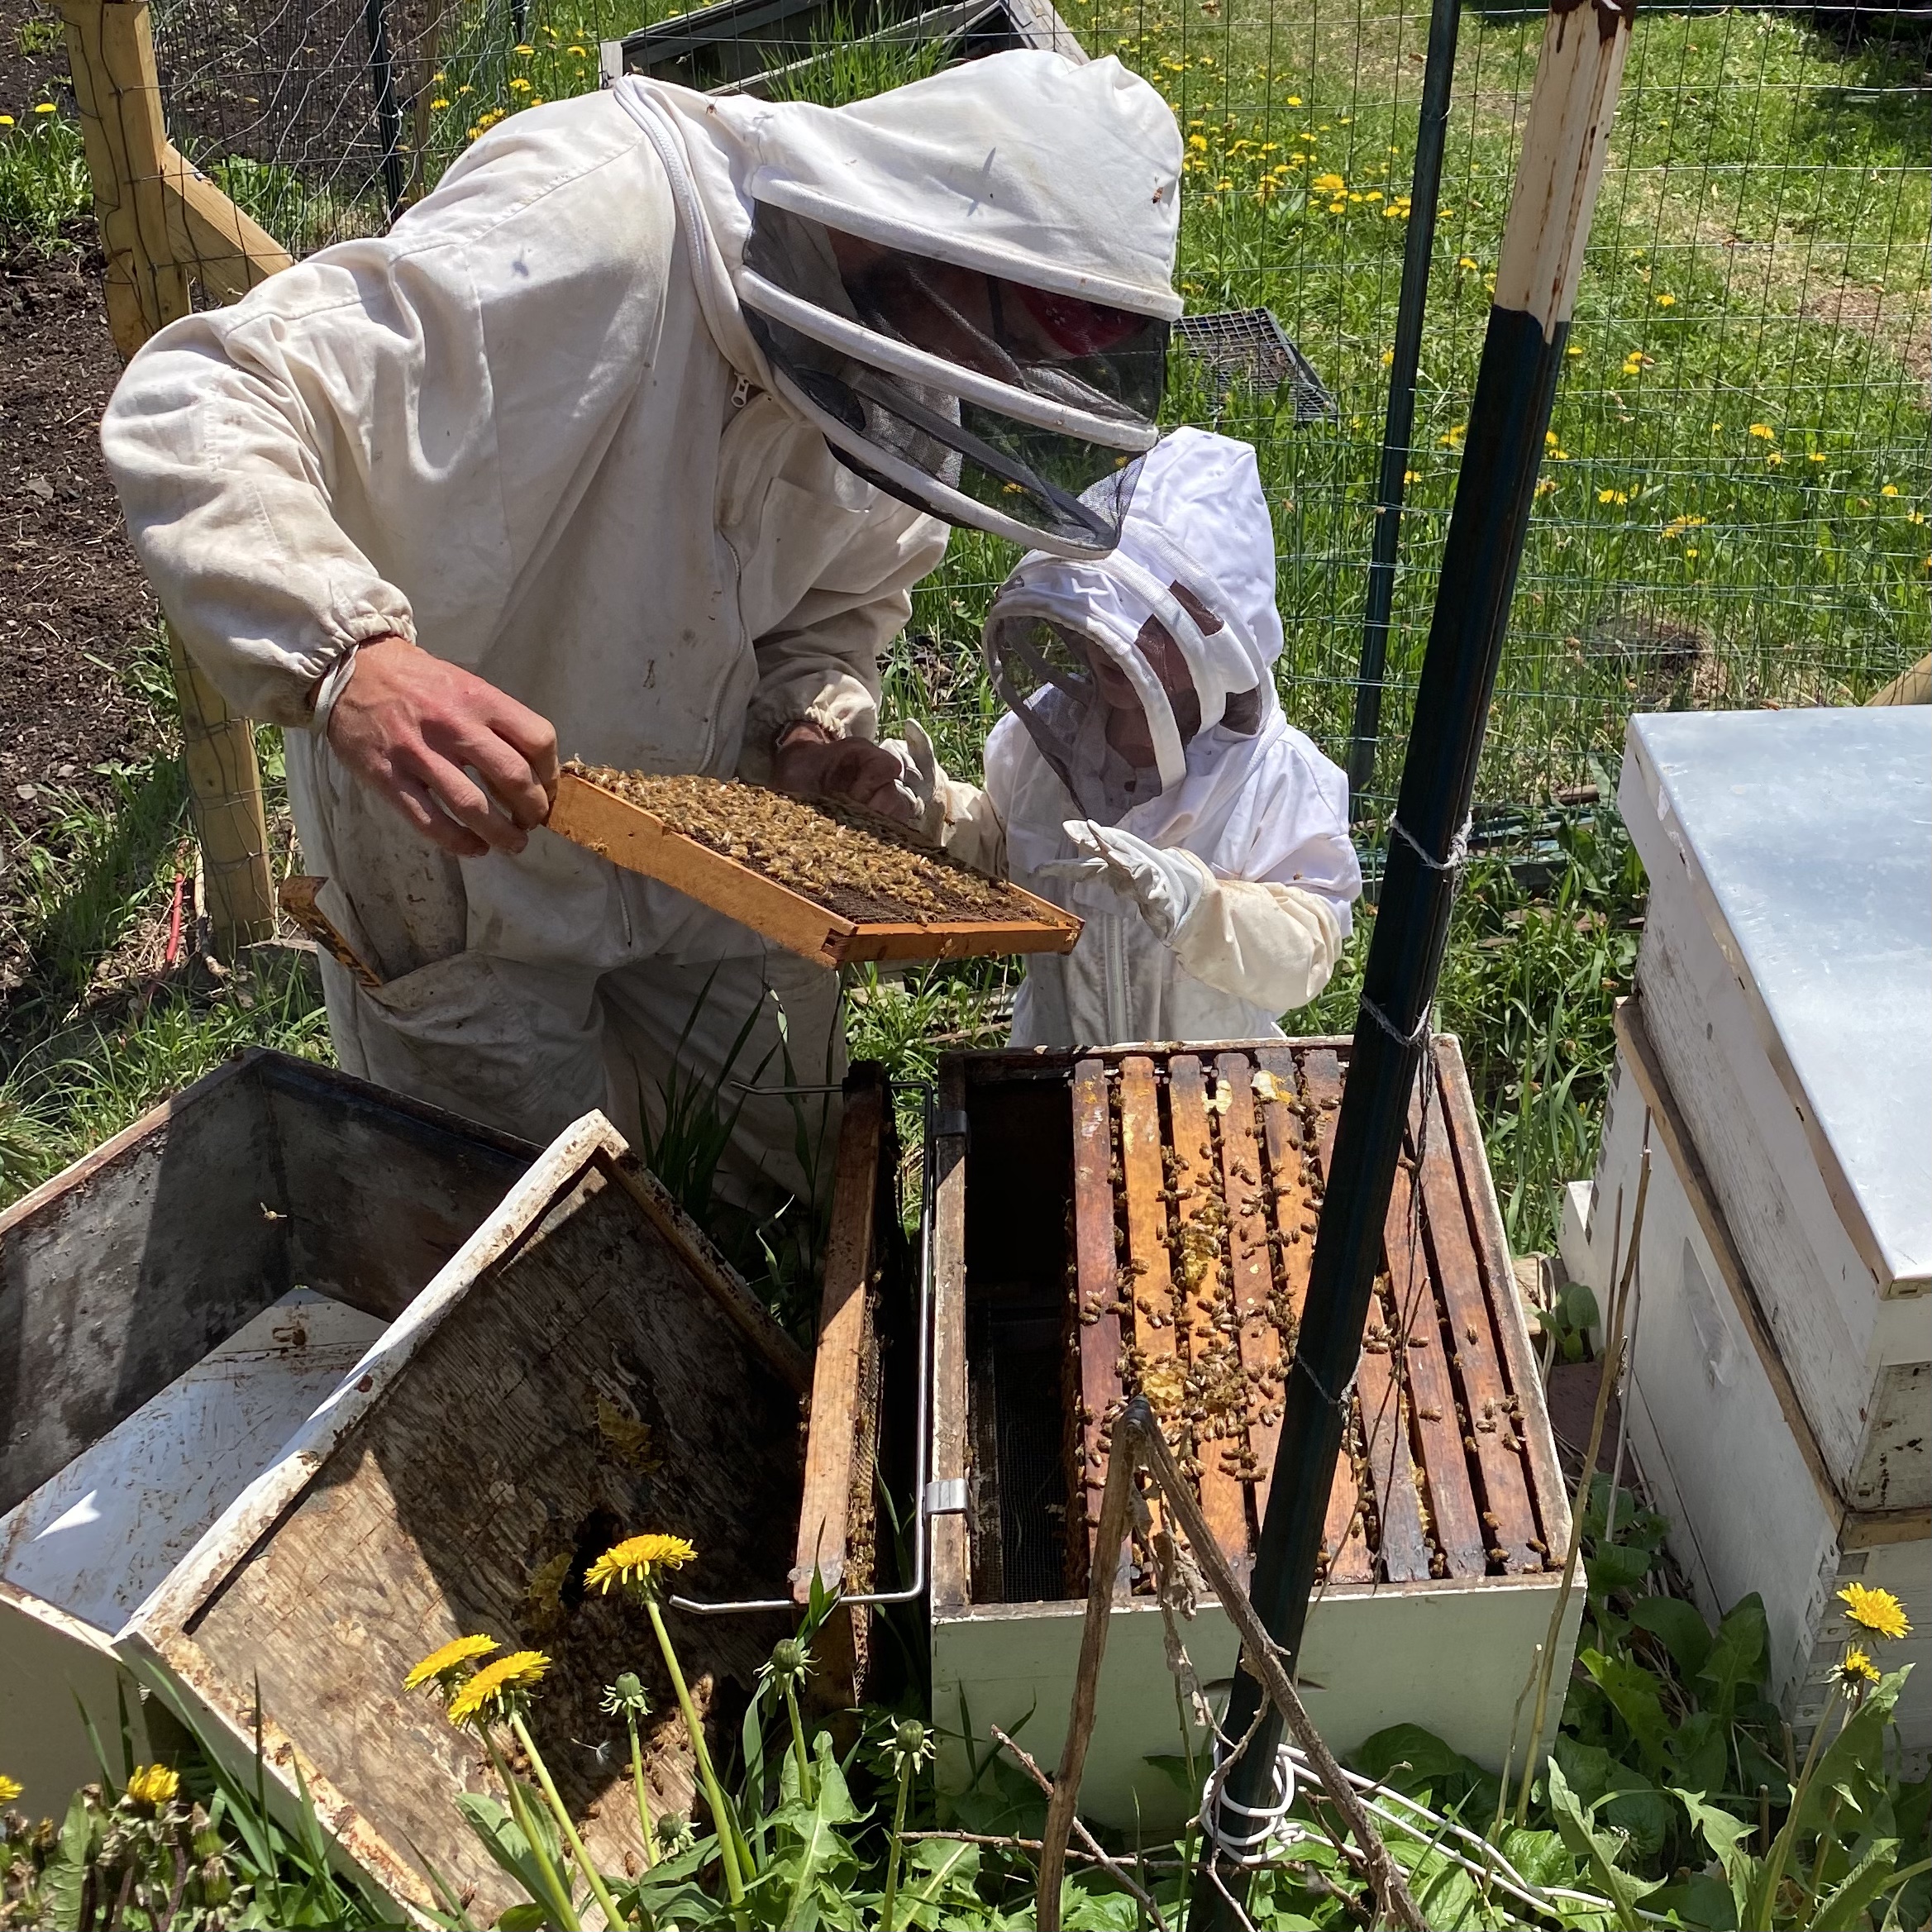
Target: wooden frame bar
{"x": 641, "y": 842}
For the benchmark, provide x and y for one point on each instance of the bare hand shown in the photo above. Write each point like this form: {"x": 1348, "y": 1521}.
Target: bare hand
{"x": 807, "y": 760}
{"x": 409, "y": 723}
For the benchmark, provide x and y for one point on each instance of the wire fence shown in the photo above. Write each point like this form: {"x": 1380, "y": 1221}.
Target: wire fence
{"x": 1733, "y": 509}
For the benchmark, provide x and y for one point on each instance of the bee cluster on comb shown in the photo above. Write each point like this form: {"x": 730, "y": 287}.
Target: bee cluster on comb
{"x": 1198, "y": 1186}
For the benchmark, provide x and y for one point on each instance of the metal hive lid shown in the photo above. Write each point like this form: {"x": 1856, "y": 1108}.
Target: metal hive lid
{"x": 1807, "y": 839}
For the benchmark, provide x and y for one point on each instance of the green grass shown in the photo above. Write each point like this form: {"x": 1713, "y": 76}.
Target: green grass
{"x": 98, "y": 1033}
{"x": 43, "y": 177}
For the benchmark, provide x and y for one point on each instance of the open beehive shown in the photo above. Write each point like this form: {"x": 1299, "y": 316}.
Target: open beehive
{"x": 818, "y": 883}
{"x": 1143, "y": 1221}
{"x": 173, "y": 1307}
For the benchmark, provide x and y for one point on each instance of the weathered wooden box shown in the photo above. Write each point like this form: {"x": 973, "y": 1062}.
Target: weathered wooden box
{"x": 1786, "y": 974}
{"x": 1146, "y": 1217}
{"x": 1717, "y": 1427}
{"x": 173, "y": 1307}
{"x": 583, "y": 1369}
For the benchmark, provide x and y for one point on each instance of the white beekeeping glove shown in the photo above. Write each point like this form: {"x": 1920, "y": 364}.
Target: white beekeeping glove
{"x": 1166, "y": 885}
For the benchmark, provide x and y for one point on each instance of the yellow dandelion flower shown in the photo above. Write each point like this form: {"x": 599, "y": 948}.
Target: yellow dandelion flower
{"x": 1549, "y": 439}
{"x": 1464, "y": 261}
{"x": 519, "y": 85}
{"x": 443, "y": 1664}
{"x": 1329, "y": 184}
{"x": 1337, "y": 207}
{"x": 1559, "y": 455}
{"x": 1295, "y": 100}
{"x": 1814, "y": 457}
{"x": 1667, "y": 301}
{"x": 10, "y": 1788}
{"x": 437, "y": 106}
{"x": 45, "y": 107}
{"x": 1412, "y": 476}
{"x": 580, "y": 53}
{"x": 1613, "y": 496}
{"x": 1855, "y": 1670}
{"x": 1450, "y": 438}
{"x": 524, "y": 48}
{"x": 465, "y": 89}
{"x": 6, "y": 121}
{"x": 153, "y": 1785}
{"x": 1388, "y": 357}
{"x": 1221, "y": 187}
{"x": 498, "y": 1685}
{"x": 1764, "y": 433}
{"x": 1877, "y": 1610}
{"x": 1775, "y": 456}
{"x": 1572, "y": 349}
{"x": 1198, "y": 142}
{"x": 1888, "y": 489}
{"x": 1690, "y": 553}
{"x": 637, "y": 1559}
{"x": 1547, "y": 487}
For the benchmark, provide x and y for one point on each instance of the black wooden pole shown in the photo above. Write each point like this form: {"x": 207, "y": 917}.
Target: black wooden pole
{"x": 1564, "y": 145}
{"x": 1424, "y": 193}
{"x": 389, "y": 115}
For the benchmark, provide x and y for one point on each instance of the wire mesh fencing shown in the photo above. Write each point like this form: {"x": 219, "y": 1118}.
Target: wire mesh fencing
{"x": 1733, "y": 509}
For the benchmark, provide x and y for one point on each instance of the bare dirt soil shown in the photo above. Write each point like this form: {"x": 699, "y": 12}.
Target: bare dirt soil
{"x": 76, "y": 610}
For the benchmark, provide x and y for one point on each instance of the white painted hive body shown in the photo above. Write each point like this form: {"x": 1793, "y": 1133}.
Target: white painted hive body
{"x": 1787, "y": 978}
{"x": 1014, "y": 1351}
{"x": 179, "y": 1303}
{"x": 1782, "y": 1043}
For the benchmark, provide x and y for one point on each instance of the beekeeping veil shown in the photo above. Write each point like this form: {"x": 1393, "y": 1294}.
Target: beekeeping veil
{"x": 1181, "y": 615}
{"x": 964, "y": 283}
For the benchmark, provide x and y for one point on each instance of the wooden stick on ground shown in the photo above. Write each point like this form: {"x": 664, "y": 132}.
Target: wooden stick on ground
{"x": 1138, "y": 1442}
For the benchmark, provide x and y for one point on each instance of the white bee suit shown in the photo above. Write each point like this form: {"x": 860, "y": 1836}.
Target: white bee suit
{"x": 529, "y": 429}
{"x": 1256, "y": 816}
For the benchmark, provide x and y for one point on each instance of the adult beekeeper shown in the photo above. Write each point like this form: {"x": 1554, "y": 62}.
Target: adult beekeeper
{"x": 632, "y": 439}
{"x": 1145, "y": 777}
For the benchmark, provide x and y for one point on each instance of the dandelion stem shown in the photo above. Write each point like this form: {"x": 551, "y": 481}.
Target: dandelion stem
{"x": 598, "y": 1890}
{"x": 728, "y": 1852}
{"x": 559, "y": 1898}
{"x": 806, "y": 1784}
{"x": 892, "y": 1858}
{"x": 1781, "y": 1847}
{"x": 637, "y": 1785}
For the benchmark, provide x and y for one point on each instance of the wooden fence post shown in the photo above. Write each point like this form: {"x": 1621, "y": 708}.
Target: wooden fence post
{"x": 164, "y": 227}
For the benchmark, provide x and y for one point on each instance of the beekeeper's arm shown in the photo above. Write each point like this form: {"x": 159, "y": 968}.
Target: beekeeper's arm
{"x": 1273, "y": 945}
{"x": 813, "y": 723}
{"x": 424, "y": 368}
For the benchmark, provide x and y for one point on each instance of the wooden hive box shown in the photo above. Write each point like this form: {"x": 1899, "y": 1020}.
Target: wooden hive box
{"x": 1785, "y": 975}
{"x": 174, "y": 1305}
{"x": 583, "y": 1369}
{"x": 639, "y": 841}
{"x": 1142, "y": 1221}
{"x": 1717, "y": 1427}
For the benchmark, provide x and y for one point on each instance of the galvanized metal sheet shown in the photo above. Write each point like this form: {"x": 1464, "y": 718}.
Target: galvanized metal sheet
{"x": 1807, "y": 837}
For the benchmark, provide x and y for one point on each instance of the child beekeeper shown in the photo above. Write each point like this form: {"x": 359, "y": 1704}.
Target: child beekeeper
{"x": 1145, "y": 779}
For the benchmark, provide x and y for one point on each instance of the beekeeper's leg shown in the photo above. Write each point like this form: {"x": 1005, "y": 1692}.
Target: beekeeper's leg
{"x": 688, "y": 1042}
{"x": 516, "y": 1045}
